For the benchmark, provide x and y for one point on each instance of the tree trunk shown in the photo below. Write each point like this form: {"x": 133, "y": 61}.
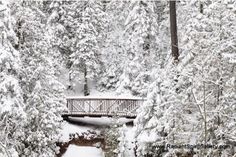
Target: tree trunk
{"x": 19, "y": 35}
{"x": 205, "y": 117}
{"x": 173, "y": 29}
{"x": 86, "y": 90}
{"x": 70, "y": 86}
{"x": 201, "y": 7}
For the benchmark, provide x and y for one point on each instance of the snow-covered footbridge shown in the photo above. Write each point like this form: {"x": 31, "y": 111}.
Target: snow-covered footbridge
{"x": 98, "y": 107}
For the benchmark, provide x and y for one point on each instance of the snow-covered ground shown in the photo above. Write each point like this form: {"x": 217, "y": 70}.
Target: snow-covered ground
{"x": 68, "y": 129}
{"x": 74, "y": 151}
{"x": 79, "y": 151}
{"x": 93, "y": 124}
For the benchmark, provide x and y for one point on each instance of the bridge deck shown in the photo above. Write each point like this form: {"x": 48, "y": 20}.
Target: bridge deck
{"x": 97, "y": 107}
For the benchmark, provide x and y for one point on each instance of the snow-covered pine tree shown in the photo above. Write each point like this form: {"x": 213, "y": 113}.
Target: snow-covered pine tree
{"x": 160, "y": 118}
{"x": 64, "y": 19}
{"x": 113, "y": 50}
{"x": 163, "y": 31}
{"x": 141, "y": 43}
{"x": 208, "y": 72}
{"x": 111, "y": 138}
{"x": 195, "y": 109}
{"x": 78, "y": 28}
{"x": 43, "y": 94}
{"x": 86, "y": 56}
{"x": 12, "y": 115}
{"x": 55, "y": 33}
{"x": 154, "y": 122}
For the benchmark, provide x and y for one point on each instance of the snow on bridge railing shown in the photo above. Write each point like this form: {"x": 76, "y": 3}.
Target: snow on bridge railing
{"x": 103, "y": 106}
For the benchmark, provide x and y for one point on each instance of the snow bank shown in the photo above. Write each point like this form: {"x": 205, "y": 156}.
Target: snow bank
{"x": 68, "y": 129}
{"x": 79, "y": 151}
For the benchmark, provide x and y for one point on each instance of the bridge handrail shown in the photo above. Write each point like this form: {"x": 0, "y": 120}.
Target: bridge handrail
{"x": 106, "y": 106}
{"x": 105, "y": 98}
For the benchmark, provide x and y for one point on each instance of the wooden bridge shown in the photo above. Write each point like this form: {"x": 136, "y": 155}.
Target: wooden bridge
{"x": 98, "y": 107}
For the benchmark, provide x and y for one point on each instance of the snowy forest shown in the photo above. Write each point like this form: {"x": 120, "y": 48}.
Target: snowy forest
{"x": 178, "y": 55}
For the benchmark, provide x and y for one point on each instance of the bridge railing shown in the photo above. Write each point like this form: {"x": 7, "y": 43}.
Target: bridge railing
{"x": 84, "y": 106}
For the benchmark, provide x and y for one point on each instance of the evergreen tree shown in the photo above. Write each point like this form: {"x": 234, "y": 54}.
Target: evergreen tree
{"x": 85, "y": 58}
{"x": 113, "y": 49}
{"x": 12, "y": 115}
{"x": 64, "y": 18}
{"x": 112, "y": 142}
{"x": 188, "y": 104}
{"x": 141, "y": 44}
{"x": 43, "y": 94}
{"x": 79, "y": 26}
